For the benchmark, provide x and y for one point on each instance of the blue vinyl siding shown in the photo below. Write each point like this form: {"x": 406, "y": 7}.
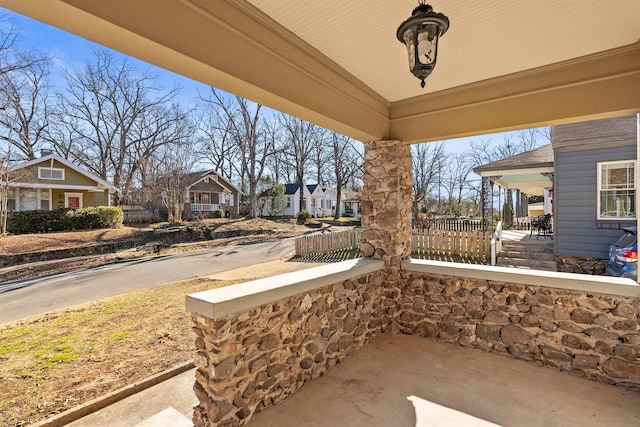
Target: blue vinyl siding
{"x": 577, "y": 230}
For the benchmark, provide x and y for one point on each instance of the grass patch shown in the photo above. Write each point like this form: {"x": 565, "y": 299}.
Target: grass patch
{"x": 59, "y": 360}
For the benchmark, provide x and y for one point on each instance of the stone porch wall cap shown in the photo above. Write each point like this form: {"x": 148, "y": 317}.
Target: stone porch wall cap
{"x": 550, "y": 279}
{"x": 217, "y": 303}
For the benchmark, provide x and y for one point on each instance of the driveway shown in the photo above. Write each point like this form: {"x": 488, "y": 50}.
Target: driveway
{"x": 27, "y": 298}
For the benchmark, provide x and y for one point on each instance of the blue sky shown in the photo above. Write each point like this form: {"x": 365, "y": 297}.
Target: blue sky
{"x": 69, "y": 50}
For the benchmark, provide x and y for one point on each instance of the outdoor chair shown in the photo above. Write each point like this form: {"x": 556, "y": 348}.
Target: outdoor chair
{"x": 541, "y": 224}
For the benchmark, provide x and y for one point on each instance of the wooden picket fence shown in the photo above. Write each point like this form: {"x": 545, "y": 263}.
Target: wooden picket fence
{"x": 448, "y": 224}
{"x": 319, "y": 244}
{"x": 471, "y": 245}
{"x": 464, "y": 244}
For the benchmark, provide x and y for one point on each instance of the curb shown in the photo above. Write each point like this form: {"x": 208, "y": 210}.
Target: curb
{"x": 102, "y": 402}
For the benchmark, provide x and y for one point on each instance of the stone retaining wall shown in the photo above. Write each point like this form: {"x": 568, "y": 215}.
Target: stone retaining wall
{"x": 251, "y": 360}
{"x": 592, "y": 335}
{"x": 580, "y": 265}
{"x": 8, "y": 260}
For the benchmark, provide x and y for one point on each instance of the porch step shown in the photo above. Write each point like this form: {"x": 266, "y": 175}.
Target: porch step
{"x": 536, "y": 255}
{"x": 166, "y": 418}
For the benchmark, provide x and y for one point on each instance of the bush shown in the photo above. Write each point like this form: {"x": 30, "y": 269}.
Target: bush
{"x": 219, "y": 213}
{"x": 41, "y": 221}
{"x": 303, "y": 215}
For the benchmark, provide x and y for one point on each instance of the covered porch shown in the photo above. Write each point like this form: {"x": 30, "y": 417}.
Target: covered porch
{"x": 523, "y": 177}
{"x": 258, "y": 343}
{"x": 456, "y": 386}
{"x": 448, "y": 386}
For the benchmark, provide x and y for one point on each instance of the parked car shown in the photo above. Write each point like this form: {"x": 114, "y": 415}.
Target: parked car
{"x": 623, "y": 255}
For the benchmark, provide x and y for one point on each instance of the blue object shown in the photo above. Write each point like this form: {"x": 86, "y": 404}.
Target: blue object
{"x": 623, "y": 255}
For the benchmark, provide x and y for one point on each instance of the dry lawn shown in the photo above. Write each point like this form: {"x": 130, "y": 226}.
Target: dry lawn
{"x": 59, "y": 360}
{"x": 56, "y": 361}
{"x": 23, "y": 243}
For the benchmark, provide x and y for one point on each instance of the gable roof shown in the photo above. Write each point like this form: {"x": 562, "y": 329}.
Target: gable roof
{"x": 527, "y": 172}
{"x": 99, "y": 181}
{"x": 540, "y": 157}
{"x": 291, "y": 189}
{"x": 197, "y": 177}
{"x": 312, "y": 188}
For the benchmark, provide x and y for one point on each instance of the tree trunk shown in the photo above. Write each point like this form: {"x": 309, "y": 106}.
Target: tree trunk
{"x": 338, "y": 202}
{"x": 253, "y": 200}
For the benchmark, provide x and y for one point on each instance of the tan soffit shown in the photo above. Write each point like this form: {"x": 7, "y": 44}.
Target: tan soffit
{"x": 503, "y": 65}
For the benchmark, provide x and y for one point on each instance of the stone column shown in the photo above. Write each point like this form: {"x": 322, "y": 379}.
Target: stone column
{"x": 386, "y": 202}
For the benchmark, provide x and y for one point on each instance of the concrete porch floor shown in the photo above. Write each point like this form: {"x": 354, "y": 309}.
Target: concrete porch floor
{"x": 525, "y": 236}
{"x": 370, "y": 388}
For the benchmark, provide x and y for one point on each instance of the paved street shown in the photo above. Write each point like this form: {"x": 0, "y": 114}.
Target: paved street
{"x": 26, "y": 298}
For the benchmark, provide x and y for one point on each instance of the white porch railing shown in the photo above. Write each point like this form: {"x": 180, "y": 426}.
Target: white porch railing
{"x": 204, "y": 207}
{"x": 496, "y": 243}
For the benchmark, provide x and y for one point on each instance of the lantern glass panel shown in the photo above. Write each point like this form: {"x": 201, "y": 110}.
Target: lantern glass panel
{"x": 411, "y": 48}
{"x": 427, "y": 43}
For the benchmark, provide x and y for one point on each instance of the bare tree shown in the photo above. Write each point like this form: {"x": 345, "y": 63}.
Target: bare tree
{"x": 281, "y": 169}
{"x": 428, "y": 160}
{"x": 300, "y": 137}
{"x": 216, "y": 144}
{"x": 244, "y": 121}
{"x": 320, "y": 156}
{"x": 454, "y": 181}
{"x": 173, "y": 170}
{"x": 5, "y": 179}
{"x": 158, "y": 127}
{"x": 347, "y": 162}
{"x": 484, "y": 151}
{"x": 11, "y": 57}
{"x": 25, "y": 115}
{"x": 22, "y": 92}
{"x": 102, "y": 110}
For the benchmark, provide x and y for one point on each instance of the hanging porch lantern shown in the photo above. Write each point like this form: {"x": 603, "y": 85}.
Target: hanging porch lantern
{"x": 420, "y": 33}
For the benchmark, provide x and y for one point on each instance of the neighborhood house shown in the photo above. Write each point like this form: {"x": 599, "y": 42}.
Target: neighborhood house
{"x": 51, "y": 182}
{"x": 586, "y": 179}
{"x": 207, "y": 193}
{"x": 321, "y": 201}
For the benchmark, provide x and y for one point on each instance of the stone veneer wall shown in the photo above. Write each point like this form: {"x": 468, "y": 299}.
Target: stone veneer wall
{"x": 254, "y": 359}
{"x": 386, "y": 202}
{"x": 591, "y": 335}
{"x": 580, "y": 265}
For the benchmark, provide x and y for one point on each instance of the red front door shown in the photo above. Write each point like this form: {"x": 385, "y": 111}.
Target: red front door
{"x": 73, "y": 202}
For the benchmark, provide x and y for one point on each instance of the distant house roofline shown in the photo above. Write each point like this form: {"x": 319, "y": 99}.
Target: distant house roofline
{"x": 541, "y": 157}
{"x": 67, "y": 163}
{"x": 201, "y": 175}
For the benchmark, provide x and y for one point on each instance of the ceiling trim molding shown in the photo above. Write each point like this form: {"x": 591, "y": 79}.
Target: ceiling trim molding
{"x": 606, "y": 84}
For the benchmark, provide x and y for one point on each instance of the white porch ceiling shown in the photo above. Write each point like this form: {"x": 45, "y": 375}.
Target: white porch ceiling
{"x": 485, "y": 40}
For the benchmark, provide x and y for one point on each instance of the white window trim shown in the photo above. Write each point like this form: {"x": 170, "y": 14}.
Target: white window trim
{"x": 66, "y": 199}
{"x": 599, "y": 188}
{"x": 40, "y": 169}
